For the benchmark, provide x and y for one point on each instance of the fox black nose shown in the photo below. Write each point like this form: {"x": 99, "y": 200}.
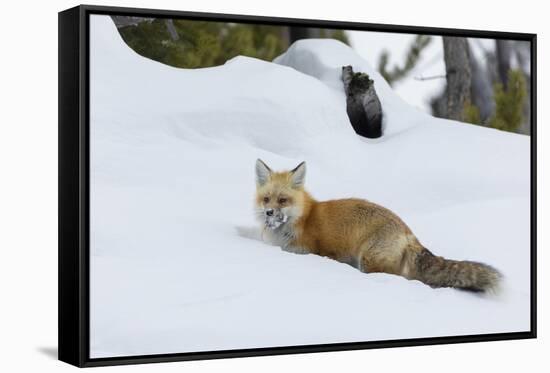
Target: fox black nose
{"x": 269, "y": 212}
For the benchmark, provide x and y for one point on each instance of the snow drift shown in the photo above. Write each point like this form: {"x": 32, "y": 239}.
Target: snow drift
{"x": 172, "y": 184}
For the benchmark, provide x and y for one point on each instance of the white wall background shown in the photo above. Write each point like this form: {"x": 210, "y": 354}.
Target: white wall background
{"x": 28, "y": 185}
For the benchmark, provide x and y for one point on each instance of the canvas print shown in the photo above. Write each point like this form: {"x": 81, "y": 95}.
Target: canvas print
{"x": 260, "y": 186}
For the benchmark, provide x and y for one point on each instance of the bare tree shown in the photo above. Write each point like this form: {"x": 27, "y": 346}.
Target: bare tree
{"x": 503, "y": 55}
{"x": 171, "y": 29}
{"x": 397, "y": 72}
{"x": 123, "y": 21}
{"x": 522, "y": 51}
{"x": 297, "y": 33}
{"x": 459, "y": 75}
{"x": 481, "y": 90}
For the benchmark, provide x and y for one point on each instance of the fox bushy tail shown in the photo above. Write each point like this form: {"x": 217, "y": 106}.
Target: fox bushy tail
{"x": 437, "y": 272}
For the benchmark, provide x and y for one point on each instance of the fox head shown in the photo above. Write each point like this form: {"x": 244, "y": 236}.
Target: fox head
{"x": 279, "y": 195}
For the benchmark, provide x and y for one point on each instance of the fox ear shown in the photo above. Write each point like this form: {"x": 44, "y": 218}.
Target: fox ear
{"x": 262, "y": 172}
{"x": 298, "y": 175}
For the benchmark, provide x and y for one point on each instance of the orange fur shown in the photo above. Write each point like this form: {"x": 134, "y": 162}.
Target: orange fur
{"x": 357, "y": 232}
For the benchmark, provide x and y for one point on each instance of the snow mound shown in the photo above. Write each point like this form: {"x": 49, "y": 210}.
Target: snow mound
{"x": 236, "y": 101}
{"x": 172, "y": 183}
{"x": 324, "y": 58}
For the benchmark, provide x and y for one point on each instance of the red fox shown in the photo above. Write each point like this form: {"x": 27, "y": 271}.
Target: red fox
{"x": 367, "y": 236}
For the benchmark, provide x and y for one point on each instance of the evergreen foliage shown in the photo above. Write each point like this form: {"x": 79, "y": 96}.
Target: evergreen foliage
{"x": 509, "y": 102}
{"x": 206, "y": 43}
{"x": 508, "y": 115}
{"x": 413, "y": 55}
{"x": 471, "y": 114}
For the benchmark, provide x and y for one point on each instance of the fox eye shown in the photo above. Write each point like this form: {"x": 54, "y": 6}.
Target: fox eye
{"x": 266, "y": 199}
{"x": 282, "y": 200}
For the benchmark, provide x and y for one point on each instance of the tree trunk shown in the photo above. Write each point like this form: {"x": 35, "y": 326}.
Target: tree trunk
{"x": 123, "y": 21}
{"x": 362, "y": 103}
{"x": 171, "y": 29}
{"x": 459, "y": 76}
{"x": 504, "y": 55}
{"x": 297, "y": 33}
{"x": 482, "y": 90}
{"x": 522, "y": 51}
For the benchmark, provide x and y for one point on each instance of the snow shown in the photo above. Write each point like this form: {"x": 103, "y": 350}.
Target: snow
{"x": 173, "y": 267}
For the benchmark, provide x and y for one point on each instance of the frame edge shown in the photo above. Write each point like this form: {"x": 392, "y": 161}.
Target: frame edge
{"x": 73, "y": 317}
{"x": 70, "y": 271}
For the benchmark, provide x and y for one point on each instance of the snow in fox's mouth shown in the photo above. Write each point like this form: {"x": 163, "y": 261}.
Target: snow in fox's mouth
{"x": 276, "y": 220}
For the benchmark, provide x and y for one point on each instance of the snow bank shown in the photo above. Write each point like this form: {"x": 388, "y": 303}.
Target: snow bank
{"x": 172, "y": 183}
{"x": 323, "y": 59}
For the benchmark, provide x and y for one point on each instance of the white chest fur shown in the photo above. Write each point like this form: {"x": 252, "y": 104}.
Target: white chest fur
{"x": 282, "y": 237}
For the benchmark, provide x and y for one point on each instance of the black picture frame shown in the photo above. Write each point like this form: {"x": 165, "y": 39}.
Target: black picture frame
{"x": 74, "y": 186}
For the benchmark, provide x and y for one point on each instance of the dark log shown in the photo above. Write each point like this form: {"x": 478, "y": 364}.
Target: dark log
{"x": 362, "y": 103}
